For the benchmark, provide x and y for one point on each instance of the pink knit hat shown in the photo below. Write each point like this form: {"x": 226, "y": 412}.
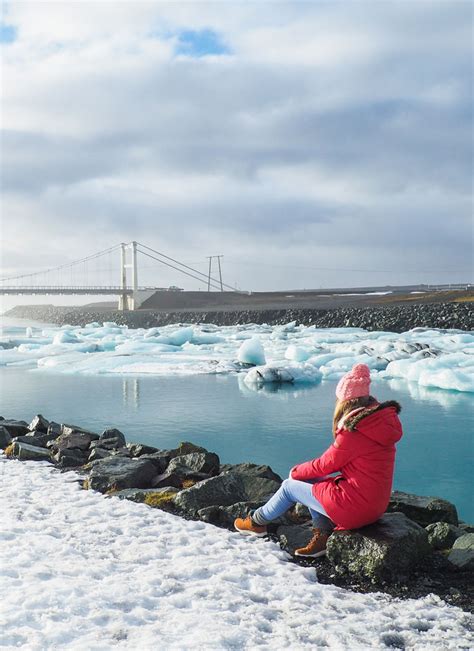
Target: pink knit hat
{"x": 354, "y": 384}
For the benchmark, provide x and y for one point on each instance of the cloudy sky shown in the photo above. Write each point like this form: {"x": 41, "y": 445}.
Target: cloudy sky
{"x": 313, "y": 144}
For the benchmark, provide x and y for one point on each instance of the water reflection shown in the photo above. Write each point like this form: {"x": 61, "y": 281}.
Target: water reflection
{"x": 281, "y": 390}
{"x": 131, "y": 392}
{"x": 444, "y": 398}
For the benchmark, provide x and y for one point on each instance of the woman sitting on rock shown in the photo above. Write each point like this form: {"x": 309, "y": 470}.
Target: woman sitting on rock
{"x": 363, "y": 455}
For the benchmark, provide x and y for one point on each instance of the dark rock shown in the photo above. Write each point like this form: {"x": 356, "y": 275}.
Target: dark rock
{"x": 99, "y": 453}
{"x": 462, "y": 553}
{"x": 224, "y": 490}
{"x": 5, "y": 438}
{"x": 15, "y": 427}
{"x": 185, "y": 448}
{"x": 160, "y": 459}
{"x": 54, "y": 429}
{"x": 465, "y": 527}
{"x": 116, "y": 472}
{"x": 256, "y": 489}
{"x": 72, "y": 429}
{"x": 442, "y": 535}
{"x": 112, "y": 439}
{"x": 178, "y": 477}
{"x": 70, "y": 458}
{"x": 423, "y": 510}
{"x": 384, "y": 551}
{"x": 73, "y": 438}
{"x": 140, "y": 495}
{"x": 252, "y": 469}
{"x": 138, "y": 449}
{"x": 224, "y": 516}
{"x": 39, "y": 424}
{"x": 302, "y": 512}
{"x": 295, "y": 536}
{"x": 40, "y": 441}
{"x": 203, "y": 462}
{"x": 26, "y": 452}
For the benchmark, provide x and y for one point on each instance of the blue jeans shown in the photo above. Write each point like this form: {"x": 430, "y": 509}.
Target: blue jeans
{"x": 290, "y": 492}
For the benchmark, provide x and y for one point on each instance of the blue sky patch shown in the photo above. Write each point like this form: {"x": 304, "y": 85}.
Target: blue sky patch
{"x": 8, "y": 33}
{"x": 200, "y": 43}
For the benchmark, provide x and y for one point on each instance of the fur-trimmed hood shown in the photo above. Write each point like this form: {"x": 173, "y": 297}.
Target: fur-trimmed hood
{"x": 378, "y": 422}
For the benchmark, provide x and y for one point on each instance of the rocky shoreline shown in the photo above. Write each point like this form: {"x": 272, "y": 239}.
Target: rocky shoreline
{"x": 393, "y": 318}
{"x": 418, "y": 547}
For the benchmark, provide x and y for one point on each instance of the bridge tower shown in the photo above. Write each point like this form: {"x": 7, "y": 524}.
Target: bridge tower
{"x": 128, "y": 301}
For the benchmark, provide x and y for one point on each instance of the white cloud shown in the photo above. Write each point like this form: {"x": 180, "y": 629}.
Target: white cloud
{"x": 327, "y": 122}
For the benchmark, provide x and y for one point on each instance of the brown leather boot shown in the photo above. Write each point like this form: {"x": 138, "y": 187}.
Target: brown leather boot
{"x": 316, "y": 546}
{"x": 248, "y": 527}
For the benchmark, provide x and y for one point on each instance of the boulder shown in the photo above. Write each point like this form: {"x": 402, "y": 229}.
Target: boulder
{"x": 117, "y": 472}
{"x": 73, "y": 438}
{"x": 161, "y": 460}
{"x": 54, "y": 429}
{"x": 98, "y": 453}
{"x": 138, "y": 449}
{"x": 224, "y": 490}
{"x": 442, "y": 535}
{"x": 111, "y": 439}
{"x": 15, "y": 427}
{"x": 141, "y": 495}
{"x": 256, "y": 489}
{"x": 26, "y": 452}
{"x": 295, "y": 536}
{"x": 40, "y": 441}
{"x": 423, "y": 510}
{"x": 185, "y": 448}
{"x": 70, "y": 458}
{"x": 39, "y": 424}
{"x": 224, "y": 516}
{"x": 203, "y": 462}
{"x": 252, "y": 469}
{"x": 462, "y": 553}
{"x": 70, "y": 429}
{"x": 179, "y": 477}
{"x": 5, "y": 438}
{"x": 384, "y": 551}
{"x": 466, "y": 527}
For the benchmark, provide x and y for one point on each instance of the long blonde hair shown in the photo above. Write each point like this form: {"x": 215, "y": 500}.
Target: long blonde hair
{"x": 344, "y": 407}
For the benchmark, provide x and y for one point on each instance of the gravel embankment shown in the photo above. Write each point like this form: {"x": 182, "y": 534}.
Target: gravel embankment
{"x": 397, "y": 318}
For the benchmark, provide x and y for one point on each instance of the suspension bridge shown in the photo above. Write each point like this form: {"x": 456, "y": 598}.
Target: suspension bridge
{"x": 92, "y": 276}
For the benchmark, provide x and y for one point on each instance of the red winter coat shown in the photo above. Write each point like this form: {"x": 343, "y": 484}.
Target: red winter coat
{"x": 364, "y": 455}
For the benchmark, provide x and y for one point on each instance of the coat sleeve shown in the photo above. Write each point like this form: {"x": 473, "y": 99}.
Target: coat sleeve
{"x": 331, "y": 461}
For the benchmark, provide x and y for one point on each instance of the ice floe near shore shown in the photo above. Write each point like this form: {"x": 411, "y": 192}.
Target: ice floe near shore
{"x": 83, "y": 571}
{"x": 429, "y": 357}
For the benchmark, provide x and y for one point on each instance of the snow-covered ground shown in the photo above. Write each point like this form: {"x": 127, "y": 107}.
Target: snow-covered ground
{"x": 430, "y": 358}
{"x": 82, "y": 571}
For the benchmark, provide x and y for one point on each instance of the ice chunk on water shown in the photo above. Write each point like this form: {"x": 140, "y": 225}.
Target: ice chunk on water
{"x": 252, "y": 352}
{"x": 65, "y": 337}
{"x": 297, "y": 353}
{"x": 293, "y": 373}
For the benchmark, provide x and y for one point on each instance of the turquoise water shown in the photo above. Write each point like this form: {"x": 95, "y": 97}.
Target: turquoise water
{"x": 280, "y": 428}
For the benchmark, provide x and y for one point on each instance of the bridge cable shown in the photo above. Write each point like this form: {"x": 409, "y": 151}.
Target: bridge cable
{"x": 62, "y": 266}
{"x": 205, "y": 276}
{"x": 178, "y": 269}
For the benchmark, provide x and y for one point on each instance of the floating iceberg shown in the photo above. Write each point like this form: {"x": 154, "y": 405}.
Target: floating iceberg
{"x": 431, "y": 358}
